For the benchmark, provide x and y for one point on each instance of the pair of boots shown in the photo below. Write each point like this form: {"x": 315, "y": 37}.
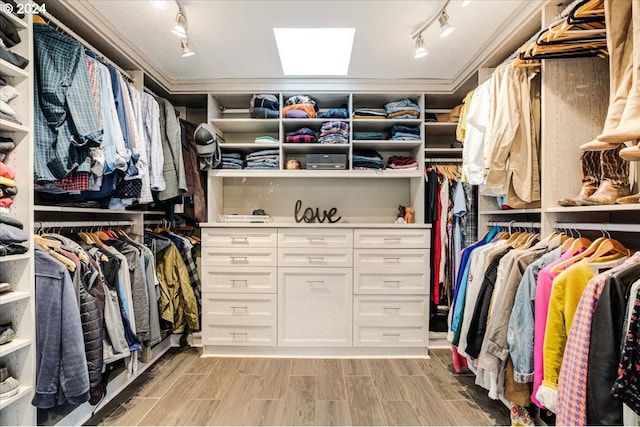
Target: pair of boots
{"x": 622, "y": 123}
{"x": 605, "y": 179}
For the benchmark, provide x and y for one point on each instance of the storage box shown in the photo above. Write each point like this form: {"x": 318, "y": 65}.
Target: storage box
{"x": 326, "y": 161}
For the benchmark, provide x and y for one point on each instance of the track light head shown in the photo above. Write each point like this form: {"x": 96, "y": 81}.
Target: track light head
{"x": 445, "y": 28}
{"x": 421, "y": 51}
{"x": 180, "y": 29}
{"x": 186, "y": 51}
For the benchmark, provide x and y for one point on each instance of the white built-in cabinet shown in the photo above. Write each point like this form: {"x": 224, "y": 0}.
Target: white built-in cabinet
{"x": 17, "y": 305}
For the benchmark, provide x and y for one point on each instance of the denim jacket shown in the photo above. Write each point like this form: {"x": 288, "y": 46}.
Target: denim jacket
{"x": 521, "y": 326}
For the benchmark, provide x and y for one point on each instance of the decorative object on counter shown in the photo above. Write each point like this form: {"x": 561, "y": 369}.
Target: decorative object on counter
{"x": 243, "y": 218}
{"x": 402, "y": 212}
{"x": 310, "y": 215}
{"x": 408, "y": 215}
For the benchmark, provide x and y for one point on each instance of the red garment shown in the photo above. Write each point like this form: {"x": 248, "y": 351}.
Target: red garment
{"x": 6, "y": 171}
{"x": 6, "y": 202}
{"x": 459, "y": 361}
{"x": 74, "y": 182}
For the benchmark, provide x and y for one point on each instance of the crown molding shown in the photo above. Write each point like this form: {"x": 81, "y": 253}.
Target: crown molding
{"x": 77, "y": 14}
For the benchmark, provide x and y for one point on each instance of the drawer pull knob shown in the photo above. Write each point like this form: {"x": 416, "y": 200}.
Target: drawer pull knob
{"x": 315, "y": 258}
{"x": 242, "y": 308}
{"x": 390, "y": 335}
{"x": 239, "y": 259}
{"x": 235, "y": 335}
{"x": 239, "y": 282}
{"x": 239, "y": 240}
{"x": 392, "y": 239}
{"x": 391, "y": 259}
{"x": 391, "y": 283}
{"x": 315, "y": 239}
{"x": 397, "y": 309}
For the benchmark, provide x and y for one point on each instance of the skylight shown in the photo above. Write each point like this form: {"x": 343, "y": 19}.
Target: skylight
{"x": 314, "y": 51}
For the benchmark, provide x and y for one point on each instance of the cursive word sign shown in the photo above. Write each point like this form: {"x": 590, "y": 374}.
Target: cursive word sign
{"x": 311, "y": 215}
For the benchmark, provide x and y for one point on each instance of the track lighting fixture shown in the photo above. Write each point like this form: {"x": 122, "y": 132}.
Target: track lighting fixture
{"x": 186, "y": 51}
{"x": 180, "y": 29}
{"x": 445, "y": 28}
{"x": 421, "y": 51}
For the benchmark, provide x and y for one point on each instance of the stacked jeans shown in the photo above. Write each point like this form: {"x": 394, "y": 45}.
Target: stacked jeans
{"x": 263, "y": 159}
{"x": 367, "y": 159}
{"x": 264, "y": 106}
{"x": 371, "y": 136}
{"x": 370, "y": 113}
{"x": 232, "y": 161}
{"x": 402, "y": 109}
{"x": 402, "y": 162}
{"x": 404, "y": 133}
{"x": 11, "y": 239}
{"x": 335, "y": 113}
{"x": 334, "y": 132}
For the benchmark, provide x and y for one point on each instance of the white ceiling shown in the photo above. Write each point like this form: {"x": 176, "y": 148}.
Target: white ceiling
{"x": 234, "y": 39}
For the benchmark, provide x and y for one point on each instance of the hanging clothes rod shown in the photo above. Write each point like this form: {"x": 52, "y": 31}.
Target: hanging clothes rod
{"x": 80, "y": 224}
{"x": 630, "y": 228}
{"x": 63, "y": 28}
{"x": 442, "y": 160}
{"x": 514, "y": 224}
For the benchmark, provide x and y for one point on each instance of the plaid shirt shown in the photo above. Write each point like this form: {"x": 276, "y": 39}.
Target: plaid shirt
{"x": 75, "y": 182}
{"x": 572, "y": 383}
{"x": 66, "y": 121}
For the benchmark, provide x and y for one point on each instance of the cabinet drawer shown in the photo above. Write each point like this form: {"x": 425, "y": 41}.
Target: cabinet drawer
{"x": 238, "y": 308}
{"x": 390, "y": 258}
{"x": 239, "y": 257}
{"x": 391, "y": 238}
{"x": 392, "y": 336}
{"x": 298, "y": 257}
{"x": 315, "y": 307}
{"x": 243, "y": 335}
{"x": 240, "y": 237}
{"x": 413, "y": 280}
{"x": 240, "y": 279}
{"x": 319, "y": 238}
{"x": 389, "y": 310}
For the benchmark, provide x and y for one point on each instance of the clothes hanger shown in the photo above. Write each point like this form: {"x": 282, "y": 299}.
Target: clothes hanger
{"x": 587, "y": 252}
{"x": 609, "y": 245}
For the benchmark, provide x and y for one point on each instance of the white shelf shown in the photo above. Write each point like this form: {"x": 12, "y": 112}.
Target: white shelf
{"x": 43, "y": 208}
{"x": 441, "y": 128}
{"x": 313, "y": 225}
{"x": 294, "y": 147}
{"x": 8, "y": 126}
{"x": 18, "y": 257}
{"x": 386, "y": 145}
{"x": 13, "y": 296}
{"x": 17, "y": 22}
{"x": 512, "y": 212}
{"x": 388, "y": 122}
{"x": 597, "y": 208}
{"x": 23, "y": 391}
{"x": 243, "y": 146}
{"x": 15, "y": 345}
{"x": 444, "y": 151}
{"x": 303, "y": 173}
{"x": 246, "y": 125}
{"x": 7, "y": 69}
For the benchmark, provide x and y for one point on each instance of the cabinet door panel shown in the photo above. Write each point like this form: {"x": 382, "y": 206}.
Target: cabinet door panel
{"x": 314, "y": 307}
{"x": 239, "y": 279}
{"x": 242, "y": 335}
{"x": 391, "y": 238}
{"x": 387, "y": 310}
{"x": 239, "y": 237}
{"x": 390, "y": 336}
{"x": 299, "y": 257}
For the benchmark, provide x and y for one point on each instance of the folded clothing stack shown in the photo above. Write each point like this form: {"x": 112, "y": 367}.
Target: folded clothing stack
{"x": 300, "y": 107}
{"x": 302, "y": 135}
{"x": 9, "y": 37}
{"x": 402, "y": 162}
{"x": 11, "y": 236}
{"x": 335, "y": 113}
{"x": 8, "y": 189}
{"x": 404, "y": 133}
{"x": 370, "y": 113}
{"x": 402, "y": 109}
{"x": 266, "y": 139}
{"x": 264, "y": 106}
{"x": 264, "y": 159}
{"x": 370, "y": 135}
{"x": 334, "y": 132}
{"x": 6, "y": 146}
{"x": 367, "y": 159}
{"x": 232, "y": 160}
{"x": 7, "y": 94}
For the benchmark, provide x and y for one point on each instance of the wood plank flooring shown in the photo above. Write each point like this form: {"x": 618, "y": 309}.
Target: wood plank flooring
{"x": 185, "y": 389}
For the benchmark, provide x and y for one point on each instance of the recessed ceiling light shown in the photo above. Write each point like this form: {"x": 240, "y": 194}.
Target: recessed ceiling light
{"x": 160, "y": 4}
{"x": 315, "y": 51}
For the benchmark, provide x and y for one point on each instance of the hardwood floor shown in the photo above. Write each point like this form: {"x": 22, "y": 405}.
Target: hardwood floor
{"x": 184, "y": 389}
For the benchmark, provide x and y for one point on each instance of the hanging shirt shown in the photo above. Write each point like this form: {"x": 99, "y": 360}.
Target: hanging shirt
{"x": 477, "y": 120}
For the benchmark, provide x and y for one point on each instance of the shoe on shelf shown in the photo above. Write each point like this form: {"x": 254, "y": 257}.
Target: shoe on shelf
{"x": 590, "y": 171}
{"x": 628, "y": 200}
{"x": 4, "y": 287}
{"x": 9, "y": 387}
{"x": 631, "y": 153}
{"x": 6, "y": 333}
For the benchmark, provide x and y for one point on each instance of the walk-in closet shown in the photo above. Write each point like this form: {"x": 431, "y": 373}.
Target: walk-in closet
{"x": 343, "y": 212}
